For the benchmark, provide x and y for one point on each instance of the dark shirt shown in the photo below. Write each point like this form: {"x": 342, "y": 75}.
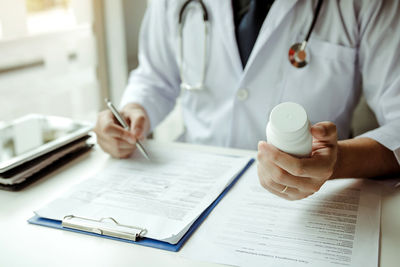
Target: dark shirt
{"x": 247, "y": 32}
{"x": 240, "y": 8}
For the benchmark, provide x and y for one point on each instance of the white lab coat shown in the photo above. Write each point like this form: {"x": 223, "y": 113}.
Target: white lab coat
{"x": 354, "y": 42}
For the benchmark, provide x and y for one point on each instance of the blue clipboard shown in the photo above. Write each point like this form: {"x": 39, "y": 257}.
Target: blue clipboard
{"x": 148, "y": 242}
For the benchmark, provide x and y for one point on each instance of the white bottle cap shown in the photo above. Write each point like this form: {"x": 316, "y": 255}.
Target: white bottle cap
{"x": 288, "y": 129}
{"x": 289, "y": 120}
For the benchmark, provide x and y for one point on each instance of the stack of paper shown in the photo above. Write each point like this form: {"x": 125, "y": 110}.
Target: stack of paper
{"x": 337, "y": 226}
{"x": 165, "y": 195}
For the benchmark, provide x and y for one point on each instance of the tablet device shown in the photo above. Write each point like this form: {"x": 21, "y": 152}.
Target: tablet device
{"x": 34, "y": 135}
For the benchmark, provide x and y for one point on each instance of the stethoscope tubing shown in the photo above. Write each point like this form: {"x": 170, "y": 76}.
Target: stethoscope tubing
{"x": 317, "y": 11}
{"x": 294, "y": 51}
{"x": 184, "y": 84}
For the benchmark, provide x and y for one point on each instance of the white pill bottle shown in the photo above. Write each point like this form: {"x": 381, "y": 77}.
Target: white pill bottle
{"x": 288, "y": 129}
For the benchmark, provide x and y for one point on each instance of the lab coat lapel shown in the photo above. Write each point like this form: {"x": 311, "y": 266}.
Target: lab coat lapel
{"x": 278, "y": 12}
{"x": 223, "y": 19}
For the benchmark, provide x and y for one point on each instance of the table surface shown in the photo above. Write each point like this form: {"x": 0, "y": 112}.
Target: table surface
{"x": 24, "y": 244}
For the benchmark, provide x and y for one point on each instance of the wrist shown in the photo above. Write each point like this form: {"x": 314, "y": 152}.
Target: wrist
{"x": 339, "y": 162}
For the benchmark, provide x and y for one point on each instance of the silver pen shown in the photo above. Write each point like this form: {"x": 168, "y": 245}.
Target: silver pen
{"x": 126, "y": 126}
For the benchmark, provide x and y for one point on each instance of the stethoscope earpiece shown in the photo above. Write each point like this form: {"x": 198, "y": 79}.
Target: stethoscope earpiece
{"x": 298, "y": 55}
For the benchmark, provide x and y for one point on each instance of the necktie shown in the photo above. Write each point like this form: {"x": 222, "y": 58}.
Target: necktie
{"x": 249, "y": 26}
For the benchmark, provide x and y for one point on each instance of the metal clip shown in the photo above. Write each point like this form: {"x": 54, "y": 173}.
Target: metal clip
{"x": 101, "y": 227}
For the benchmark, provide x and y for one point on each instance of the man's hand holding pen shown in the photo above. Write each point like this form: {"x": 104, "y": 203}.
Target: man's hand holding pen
{"x": 113, "y": 138}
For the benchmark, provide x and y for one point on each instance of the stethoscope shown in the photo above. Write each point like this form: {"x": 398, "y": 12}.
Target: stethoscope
{"x": 297, "y": 52}
{"x": 185, "y": 85}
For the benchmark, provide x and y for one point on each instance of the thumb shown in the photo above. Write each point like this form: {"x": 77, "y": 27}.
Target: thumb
{"x": 137, "y": 126}
{"x": 324, "y": 131}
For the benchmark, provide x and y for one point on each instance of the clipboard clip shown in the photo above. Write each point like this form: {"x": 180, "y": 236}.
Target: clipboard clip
{"x": 105, "y": 226}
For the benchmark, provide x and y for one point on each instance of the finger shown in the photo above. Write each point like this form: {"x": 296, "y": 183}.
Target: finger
{"x": 280, "y": 176}
{"x": 271, "y": 186}
{"x": 138, "y": 127}
{"x": 282, "y": 195}
{"x": 116, "y": 141}
{"x": 112, "y": 127}
{"x": 116, "y": 150}
{"x": 324, "y": 132}
{"x": 123, "y": 144}
{"x": 292, "y": 165}
{"x": 286, "y": 193}
{"x": 318, "y": 167}
{"x": 267, "y": 182}
{"x": 314, "y": 167}
{"x": 123, "y": 154}
{"x": 116, "y": 131}
{"x": 102, "y": 119}
{"x": 136, "y": 120}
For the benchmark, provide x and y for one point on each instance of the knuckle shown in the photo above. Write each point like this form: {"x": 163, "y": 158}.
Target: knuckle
{"x": 140, "y": 116}
{"x": 328, "y": 174}
{"x": 280, "y": 176}
{"x": 314, "y": 188}
{"x": 119, "y": 143}
{"x": 331, "y": 128}
{"x": 124, "y": 155}
{"x": 136, "y": 115}
{"x": 299, "y": 169}
{"x": 262, "y": 182}
{"x": 259, "y": 171}
{"x": 107, "y": 128}
{"x": 124, "y": 135}
{"x": 268, "y": 182}
{"x": 274, "y": 155}
{"x": 119, "y": 151}
{"x": 261, "y": 178}
{"x": 113, "y": 153}
{"x": 260, "y": 175}
{"x": 259, "y": 156}
{"x": 264, "y": 185}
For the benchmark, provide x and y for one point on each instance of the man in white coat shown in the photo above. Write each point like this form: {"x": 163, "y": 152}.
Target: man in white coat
{"x": 353, "y": 48}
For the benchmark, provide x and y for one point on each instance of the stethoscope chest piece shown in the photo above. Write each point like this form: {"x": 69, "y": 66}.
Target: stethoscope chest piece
{"x": 297, "y": 52}
{"x": 298, "y": 55}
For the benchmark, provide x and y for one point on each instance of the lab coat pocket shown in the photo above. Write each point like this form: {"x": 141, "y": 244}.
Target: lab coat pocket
{"x": 325, "y": 84}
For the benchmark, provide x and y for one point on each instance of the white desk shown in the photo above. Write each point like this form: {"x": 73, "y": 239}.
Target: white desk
{"x": 23, "y": 244}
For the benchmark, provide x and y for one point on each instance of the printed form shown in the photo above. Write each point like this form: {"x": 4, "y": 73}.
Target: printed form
{"x": 164, "y": 195}
{"x": 337, "y": 226}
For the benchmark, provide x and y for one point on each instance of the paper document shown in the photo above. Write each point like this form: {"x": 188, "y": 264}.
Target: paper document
{"x": 337, "y": 226}
{"x": 164, "y": 195}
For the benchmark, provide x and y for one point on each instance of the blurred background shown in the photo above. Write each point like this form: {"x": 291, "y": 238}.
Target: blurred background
{"x": 63, "y": 57}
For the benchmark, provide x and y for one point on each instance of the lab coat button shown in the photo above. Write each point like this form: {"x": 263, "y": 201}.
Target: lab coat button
{"x": 242, "y": 94}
